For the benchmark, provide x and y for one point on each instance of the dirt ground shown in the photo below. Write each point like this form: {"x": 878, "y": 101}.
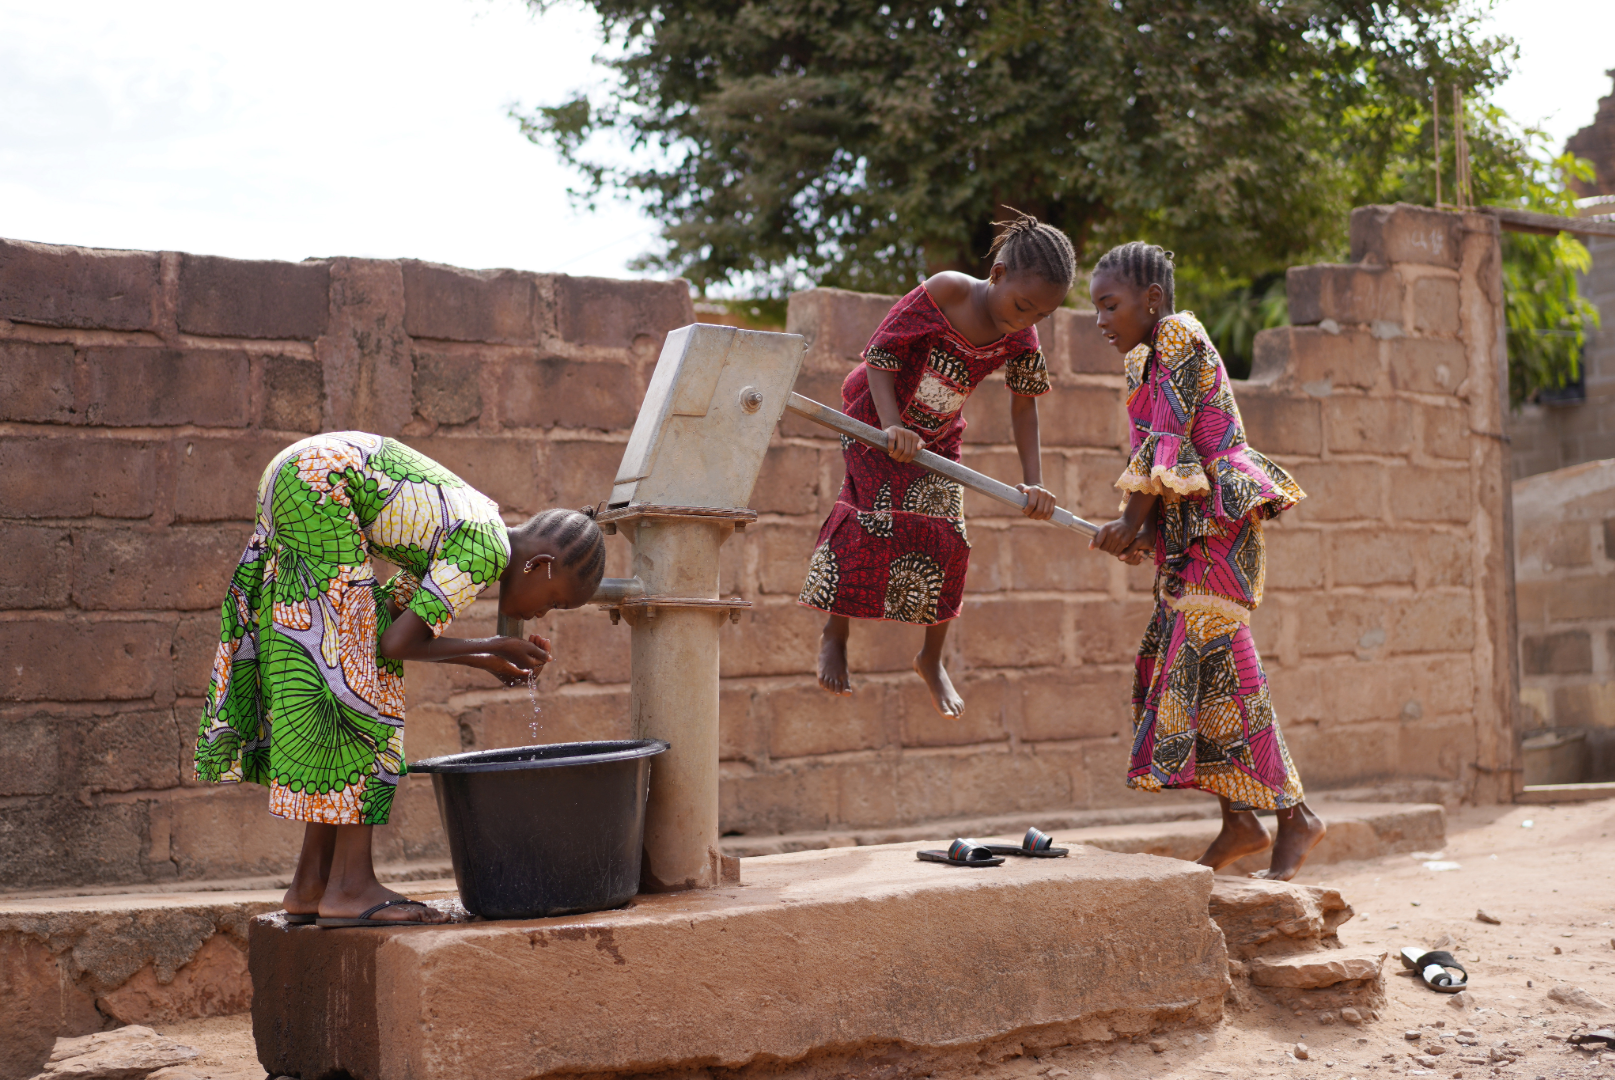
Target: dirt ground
{"x": 1548, "y": 873}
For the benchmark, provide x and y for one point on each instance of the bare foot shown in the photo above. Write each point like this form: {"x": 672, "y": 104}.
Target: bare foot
{"x": 303, "y": 898}
{"x": 335, "y": 905}
{"x": 1242, "y": 834}
{"x": 943, "y": 695}
{"x": 1299, "y": 832}
{"x": 833, "y": 674}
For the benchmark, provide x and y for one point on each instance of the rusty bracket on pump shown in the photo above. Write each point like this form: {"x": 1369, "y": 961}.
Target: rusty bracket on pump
{"x": 617, "y": 595}
{"x": 609, "y": 520}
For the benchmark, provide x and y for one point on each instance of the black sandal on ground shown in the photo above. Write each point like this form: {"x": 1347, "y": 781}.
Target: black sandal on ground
{"x": 1587, "y": 1038}
{"x": 299, "y": 918}
{"x": 1036, "y": 845}
{"x": 366, "y": 920}
{"x": 962, "y": 852}
{"x": 1432, "y": 969}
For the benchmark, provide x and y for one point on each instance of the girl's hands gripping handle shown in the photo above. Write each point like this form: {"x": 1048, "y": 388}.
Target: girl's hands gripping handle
{"x": 1132, "y": 534}
{"x": 902, "y": 443}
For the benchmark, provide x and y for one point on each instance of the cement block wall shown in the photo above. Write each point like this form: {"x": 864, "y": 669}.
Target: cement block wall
{"x": 142, "y": 393}
{"x": 1557, "y": 436}
{"x": 1565, "y": 557}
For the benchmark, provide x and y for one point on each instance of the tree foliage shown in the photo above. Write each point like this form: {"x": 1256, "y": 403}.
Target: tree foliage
{"x": 864, "y": 144}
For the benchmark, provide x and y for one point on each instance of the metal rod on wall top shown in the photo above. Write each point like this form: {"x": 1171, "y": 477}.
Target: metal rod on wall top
{"x": 981, "y": 484}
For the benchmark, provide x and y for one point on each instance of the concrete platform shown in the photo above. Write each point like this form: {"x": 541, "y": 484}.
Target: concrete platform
{"x": 71, "y": 964}
{"x": 817, "y": 962}
{"x": 74, "y": 965}
{"x": 1357, "y": 830}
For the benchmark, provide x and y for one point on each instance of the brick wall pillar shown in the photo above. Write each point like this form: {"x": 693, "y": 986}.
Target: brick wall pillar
{"x": 1390, "y": 390}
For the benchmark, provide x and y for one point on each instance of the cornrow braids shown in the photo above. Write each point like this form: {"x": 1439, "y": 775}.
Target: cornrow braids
{"x": 1025, "y": 243}
{"x": 1140, "y": 264}
{"x": 580, "y": 545}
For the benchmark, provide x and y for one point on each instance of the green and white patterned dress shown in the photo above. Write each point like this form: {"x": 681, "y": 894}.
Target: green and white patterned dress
{"x": 300, "y": 699}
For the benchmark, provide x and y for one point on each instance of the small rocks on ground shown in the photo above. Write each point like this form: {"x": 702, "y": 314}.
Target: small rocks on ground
{"x": 1300, "y": 1051}
{"x": 1577, "y": 998}
{"x": 125, "y": 1053}
{"x": 1486, "y": 917}
{"x": 1412, "y": 1036}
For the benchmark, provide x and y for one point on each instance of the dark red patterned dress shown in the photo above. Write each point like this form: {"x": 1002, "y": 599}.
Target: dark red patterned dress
{"x": 895, "y": 547}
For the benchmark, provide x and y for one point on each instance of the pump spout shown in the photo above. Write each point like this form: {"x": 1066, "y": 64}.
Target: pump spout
{"x": 614, "y": 590}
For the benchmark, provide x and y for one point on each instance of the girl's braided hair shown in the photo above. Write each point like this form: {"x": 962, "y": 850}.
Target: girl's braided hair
{"x": 580, "y": 545}
{"x": 1142, "y": 265}
{"x": 1029, "y": 244}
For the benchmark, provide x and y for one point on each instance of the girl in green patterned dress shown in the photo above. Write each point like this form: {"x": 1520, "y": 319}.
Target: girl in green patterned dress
{"x": 307, "y": 695}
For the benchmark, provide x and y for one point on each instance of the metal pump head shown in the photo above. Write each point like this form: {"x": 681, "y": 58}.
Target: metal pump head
{"x": 712, "y": 404}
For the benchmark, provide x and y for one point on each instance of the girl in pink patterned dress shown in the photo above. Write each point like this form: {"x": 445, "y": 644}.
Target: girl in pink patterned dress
{"x": 1197, "y": 495}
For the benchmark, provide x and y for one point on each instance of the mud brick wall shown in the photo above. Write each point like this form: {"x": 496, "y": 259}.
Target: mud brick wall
{"x": 1389, "y": 632}
{"x": 141, "y": 395}
{"x": 1387, "y": 628}
{"x": 1565, "y": 550}
{"x": 1559, "y": 435}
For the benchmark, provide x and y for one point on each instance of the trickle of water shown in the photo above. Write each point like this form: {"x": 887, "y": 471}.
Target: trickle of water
{"x": 538, "y": 711}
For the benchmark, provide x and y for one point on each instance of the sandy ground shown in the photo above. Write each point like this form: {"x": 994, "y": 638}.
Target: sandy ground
{"x": 1551, "y": 883}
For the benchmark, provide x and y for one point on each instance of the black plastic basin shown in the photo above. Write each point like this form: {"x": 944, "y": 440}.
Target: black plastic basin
{"x": 545, "y": 830}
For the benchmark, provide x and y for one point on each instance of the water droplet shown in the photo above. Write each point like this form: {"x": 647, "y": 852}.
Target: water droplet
{"x": 532, "y": 695}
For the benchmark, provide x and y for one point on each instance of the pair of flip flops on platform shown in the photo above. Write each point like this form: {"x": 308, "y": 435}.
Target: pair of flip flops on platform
{"x": 1036, "y": 845}
{"x": 1435, "y": 969}
{"x": 366, "y": 919}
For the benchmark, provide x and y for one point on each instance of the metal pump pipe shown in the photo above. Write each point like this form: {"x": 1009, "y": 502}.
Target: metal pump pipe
{"x": 840, "y": 422}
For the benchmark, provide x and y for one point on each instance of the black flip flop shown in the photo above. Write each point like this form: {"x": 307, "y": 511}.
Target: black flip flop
{"x": 366, "y": 920}
{"x": 1036, "y": 845}
{"x": 299, "y": 918}
{"x": 1587, "y": 1038}
{"x": 962, "y": 852}
{"x": 1432, "y": 969}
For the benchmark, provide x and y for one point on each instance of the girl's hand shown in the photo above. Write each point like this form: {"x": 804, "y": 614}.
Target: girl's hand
{"x": 512, "y": 660}
{"x": 1039, "y": 501}
{"x": 902, "y": 443}
{"x": 1115, "y": 537}
{"x": 1139, "y": 549}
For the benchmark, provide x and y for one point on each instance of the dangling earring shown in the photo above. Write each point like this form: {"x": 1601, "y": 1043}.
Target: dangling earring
{"x": 1152, "y": 311}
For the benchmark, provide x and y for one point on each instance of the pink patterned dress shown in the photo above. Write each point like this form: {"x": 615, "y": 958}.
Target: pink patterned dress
{"x": 1202, "y": 717}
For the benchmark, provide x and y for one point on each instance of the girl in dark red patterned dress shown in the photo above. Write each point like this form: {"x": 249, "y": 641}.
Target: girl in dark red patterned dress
{"x": 895, "y": 547}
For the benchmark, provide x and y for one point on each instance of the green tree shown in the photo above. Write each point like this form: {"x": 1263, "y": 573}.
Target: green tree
{"x": 865, "y": 144}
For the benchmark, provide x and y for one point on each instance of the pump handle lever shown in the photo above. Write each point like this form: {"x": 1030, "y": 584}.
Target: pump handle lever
{"x": 809, "y": 409}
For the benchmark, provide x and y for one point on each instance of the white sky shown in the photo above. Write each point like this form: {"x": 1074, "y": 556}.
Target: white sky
{"x": 378, "y": 127}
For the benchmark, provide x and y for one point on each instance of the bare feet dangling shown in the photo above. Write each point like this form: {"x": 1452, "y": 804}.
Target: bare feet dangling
{"x": 943, "y": 695}
{"x": 928, "y": 666}
{"x": 833, "y": 673}
{"x": 1242, "y": 834}
{"x": 1299, "y": 832}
